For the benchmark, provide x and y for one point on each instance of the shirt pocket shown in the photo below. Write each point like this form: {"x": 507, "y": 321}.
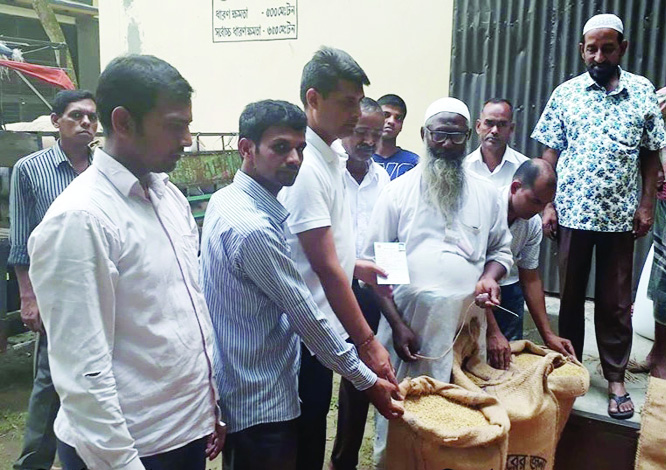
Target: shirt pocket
{"x": 465, "y": 240}
{"x": 471, "y": 243}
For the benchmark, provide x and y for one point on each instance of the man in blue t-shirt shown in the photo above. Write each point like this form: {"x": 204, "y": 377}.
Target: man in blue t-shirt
{"x": 396, "y": 161}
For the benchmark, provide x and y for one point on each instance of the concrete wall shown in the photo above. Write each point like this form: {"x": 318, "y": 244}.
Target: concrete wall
{"x": 87, "y": 37}
{"x": 404, "y": 47}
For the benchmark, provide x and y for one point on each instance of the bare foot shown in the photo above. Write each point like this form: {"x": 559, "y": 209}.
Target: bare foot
{"x": 657, "y": 356}
{"x": 657, "y": 362}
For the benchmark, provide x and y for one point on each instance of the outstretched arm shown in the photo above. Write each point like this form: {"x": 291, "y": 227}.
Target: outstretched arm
{"x": 532, "y": 286}
{"x": 319, "y": 248}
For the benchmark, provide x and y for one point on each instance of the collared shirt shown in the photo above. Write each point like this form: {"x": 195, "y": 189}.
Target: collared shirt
{"x": 130, "y": 338}
{"x": 397, "y": 164}
{"x": 258, "y": 304}
{"x": 37, "y": 180}
{"x": 445, "y": 257}
{"x": 526, "y": 235}
{"x": 503, "y": 173}
{"x": 477, "y": 234}
{"x": 318, "y": 199}
{"x": 599, "y": 134}
{"x": 362, "y": 198}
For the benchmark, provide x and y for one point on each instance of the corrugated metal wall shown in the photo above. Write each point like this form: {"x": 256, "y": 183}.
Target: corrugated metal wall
{"x": 522, "y": 49}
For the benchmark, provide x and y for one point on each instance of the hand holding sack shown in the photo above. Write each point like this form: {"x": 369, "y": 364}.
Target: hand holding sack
{"x": 568, "y": 381}
{"x": 537, "y": 404}
{"x": 446, "y": 426}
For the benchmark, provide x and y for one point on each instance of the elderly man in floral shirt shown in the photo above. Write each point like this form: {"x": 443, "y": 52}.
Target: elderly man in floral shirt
{"x": 594, "y": 127}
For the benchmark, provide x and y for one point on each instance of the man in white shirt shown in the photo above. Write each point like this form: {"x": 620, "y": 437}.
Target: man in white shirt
{"x": 114, "y": 270}
{"x": 364, "y": 180}
{"x": 457, "y": 245}
{"x": 533, "y": 187}
{"x": 320, "y": 235}
{"x": 494, "y": 159}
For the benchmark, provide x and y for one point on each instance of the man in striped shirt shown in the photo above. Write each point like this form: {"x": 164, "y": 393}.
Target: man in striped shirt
{"x": 259, "y": 302}
{"x": 36, "y": 181}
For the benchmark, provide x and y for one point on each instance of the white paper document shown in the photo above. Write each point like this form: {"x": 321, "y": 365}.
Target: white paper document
{"x": 392, "y": 258}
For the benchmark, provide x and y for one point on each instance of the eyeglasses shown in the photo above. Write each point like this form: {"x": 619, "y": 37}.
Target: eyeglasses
{"x": 78, "y": 115}
{"x": 441, "y": 136}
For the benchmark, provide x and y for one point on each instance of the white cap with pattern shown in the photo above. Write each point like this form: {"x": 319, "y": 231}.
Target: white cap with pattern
{"x": 606, "y": 20}
{"x": 449, "y": 105}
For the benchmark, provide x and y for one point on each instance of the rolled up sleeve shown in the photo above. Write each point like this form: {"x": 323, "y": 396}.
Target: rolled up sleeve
{"x": 21, "y": 217}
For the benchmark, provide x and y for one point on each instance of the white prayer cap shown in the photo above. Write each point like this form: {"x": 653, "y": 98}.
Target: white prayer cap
{"x": 449, "y": 105}
{"x": 606, "y": 20}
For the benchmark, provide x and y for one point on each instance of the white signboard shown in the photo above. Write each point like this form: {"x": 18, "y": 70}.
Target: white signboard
{"x": 254, "y": 20}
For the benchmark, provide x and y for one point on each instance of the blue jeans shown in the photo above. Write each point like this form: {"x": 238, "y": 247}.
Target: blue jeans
{"x": 512, "y": 299}
{"x": 191, "y": 456}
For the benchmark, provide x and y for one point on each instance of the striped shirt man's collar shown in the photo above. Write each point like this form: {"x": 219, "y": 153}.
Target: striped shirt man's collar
{"x": 60, "y": 157}
{"x": 264, "y": 199}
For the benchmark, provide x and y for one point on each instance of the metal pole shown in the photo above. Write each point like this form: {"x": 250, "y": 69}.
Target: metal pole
{"x": 48, "y": 105}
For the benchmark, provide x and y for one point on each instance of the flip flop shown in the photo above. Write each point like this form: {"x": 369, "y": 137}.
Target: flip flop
{"x": 619, "y": 399}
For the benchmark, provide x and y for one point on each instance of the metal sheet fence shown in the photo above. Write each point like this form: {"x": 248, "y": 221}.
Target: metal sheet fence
{"x": 522, "y": 49}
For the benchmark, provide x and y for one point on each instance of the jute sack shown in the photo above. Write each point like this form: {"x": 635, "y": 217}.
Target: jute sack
{"x": 569, "y": 380}
{"x": 419, "y": 441}
{"x": 651, "y": 454}
{"x": 525, "y": 395}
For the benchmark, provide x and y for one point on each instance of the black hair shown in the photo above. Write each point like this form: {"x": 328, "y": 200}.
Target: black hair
{"x": 499, "y": 101}
{"x": 395, "y": 101}
{"x": 528, "y": 172}
{"x": 368, "y": 105}
{"x": 136, "y": 82}
{"x": 327, "y": 66}
{"x": 259, "y": 116}
{"x": 66, "y": 97}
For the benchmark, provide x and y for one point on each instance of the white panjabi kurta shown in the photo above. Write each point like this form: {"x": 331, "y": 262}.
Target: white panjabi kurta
{"x": 445, "y": 259}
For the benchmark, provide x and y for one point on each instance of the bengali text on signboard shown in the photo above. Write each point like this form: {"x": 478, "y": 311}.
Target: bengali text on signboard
{"x": 256, "y": 20}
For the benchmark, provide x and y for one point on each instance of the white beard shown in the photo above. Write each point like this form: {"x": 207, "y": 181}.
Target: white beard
{"x": 444, "y": 182}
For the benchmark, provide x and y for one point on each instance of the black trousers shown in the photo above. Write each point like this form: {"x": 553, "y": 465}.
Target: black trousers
{"x": 612, "y": 293}
{"x": 315, "y": 386}
{"x": 191, "y": 456}
{"x": 353, "y": 405}
{"x": 261, "y": 447}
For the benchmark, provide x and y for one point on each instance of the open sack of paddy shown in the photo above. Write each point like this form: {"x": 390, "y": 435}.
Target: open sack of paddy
{"x": 446, "y": 426}
{"x": 568, "y": 380}
{"x": 537, "y": 402}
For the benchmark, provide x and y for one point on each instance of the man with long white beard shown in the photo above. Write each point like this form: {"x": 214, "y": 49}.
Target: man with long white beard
{"x": 457, "y": 244}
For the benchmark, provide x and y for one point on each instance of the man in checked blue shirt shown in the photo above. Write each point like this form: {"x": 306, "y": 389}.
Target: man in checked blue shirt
{"x": 37, "y": 180}
{"x": 259, "y": 302}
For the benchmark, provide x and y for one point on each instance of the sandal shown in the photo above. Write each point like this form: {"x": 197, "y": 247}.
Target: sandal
{"x": 619, "y": 400}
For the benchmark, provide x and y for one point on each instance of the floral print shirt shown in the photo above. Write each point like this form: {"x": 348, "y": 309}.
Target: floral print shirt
{"x": 598, "y": 134}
